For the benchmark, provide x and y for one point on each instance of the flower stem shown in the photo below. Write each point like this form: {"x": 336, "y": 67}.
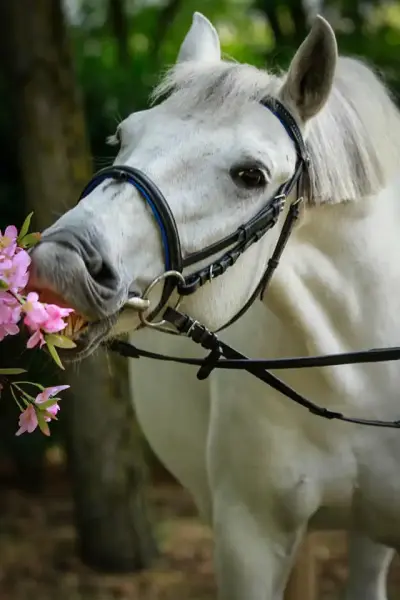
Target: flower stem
{"x": 24, "y": 394}
{"x": 32, "y": 383}
{"x": 18, "y": 297}
{"x": 16, "y": 400}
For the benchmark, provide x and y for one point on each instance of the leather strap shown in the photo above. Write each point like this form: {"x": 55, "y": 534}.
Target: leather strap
{"x": 223, "y": 356}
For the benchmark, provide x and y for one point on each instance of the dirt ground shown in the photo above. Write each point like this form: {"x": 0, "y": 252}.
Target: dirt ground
{"x": 38, "y": 559}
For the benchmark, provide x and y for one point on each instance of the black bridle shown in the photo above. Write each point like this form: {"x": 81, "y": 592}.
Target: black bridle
{"x": 229, "y": 249}
{"x": 233, "y": 245}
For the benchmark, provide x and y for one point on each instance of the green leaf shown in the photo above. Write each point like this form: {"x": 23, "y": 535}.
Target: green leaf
{"x": 54, "y": 356}
{"x": 30, "y": 240}
{"x": 25, "y": 227}
{"x": 48, "y": 403}
{"x": 3, "y": 285}
{"x": 61, "y": 341}
{"x": 44, "y": 428}
{"x": 12, "y": 371}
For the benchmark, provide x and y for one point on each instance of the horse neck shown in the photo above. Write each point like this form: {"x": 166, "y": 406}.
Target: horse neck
{"x": 335, "y": 289}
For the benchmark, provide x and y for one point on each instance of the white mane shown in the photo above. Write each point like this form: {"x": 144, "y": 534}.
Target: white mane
{"x": 354, "y": 142}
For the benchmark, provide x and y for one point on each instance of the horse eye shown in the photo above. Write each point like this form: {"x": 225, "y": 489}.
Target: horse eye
{"x": 248, "y": 177}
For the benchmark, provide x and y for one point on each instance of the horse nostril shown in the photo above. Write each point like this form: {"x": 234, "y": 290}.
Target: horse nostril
{"x": 103, "y": 273}
{"x": 97, "y": 262}
{"x": 95, "y": 254}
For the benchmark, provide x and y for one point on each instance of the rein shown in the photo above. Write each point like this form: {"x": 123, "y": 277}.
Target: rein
{"x": 221, "y": 355}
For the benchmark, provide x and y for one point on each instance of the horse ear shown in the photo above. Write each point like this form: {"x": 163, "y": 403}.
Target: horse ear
{"x": 201, "y": 42}
{"x": 310, "y": 76}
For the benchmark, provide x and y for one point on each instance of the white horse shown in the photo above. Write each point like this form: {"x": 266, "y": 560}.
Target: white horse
{"x": 261, "y": 469}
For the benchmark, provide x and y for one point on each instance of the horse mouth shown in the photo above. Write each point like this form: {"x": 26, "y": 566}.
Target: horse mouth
{"x": 76, "y": 325}
{"x": 86, "y": 335}
{"x": 87, "y": 332}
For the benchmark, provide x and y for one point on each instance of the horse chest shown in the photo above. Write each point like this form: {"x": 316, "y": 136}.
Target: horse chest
{"x": 336, "y": 474}
{"x": 376, "y": 498}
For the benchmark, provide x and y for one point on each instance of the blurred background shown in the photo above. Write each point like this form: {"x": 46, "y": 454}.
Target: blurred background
{"x": 89, "y": 513}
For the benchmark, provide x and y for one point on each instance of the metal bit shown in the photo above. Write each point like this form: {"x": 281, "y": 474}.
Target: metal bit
{"x": 138, "y": 304}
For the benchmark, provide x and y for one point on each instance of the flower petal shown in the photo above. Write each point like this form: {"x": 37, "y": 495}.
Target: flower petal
{"x": 11, "y": 232}
{"x": 35, "y": 339}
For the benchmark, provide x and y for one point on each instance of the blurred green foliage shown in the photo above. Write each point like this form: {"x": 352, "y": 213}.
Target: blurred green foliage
{"x": 119, "y": 57}
{"x": 121, "y": 47}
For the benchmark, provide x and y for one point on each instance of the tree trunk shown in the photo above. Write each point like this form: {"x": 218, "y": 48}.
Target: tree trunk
{"x": 103, "y": 442}
{"x": 109, "y": 470}
{"x": 164, "y": 21}
{"x": 119, "y": 28}
{"x": 269, "y": 8}
{"x": 299, "y": 19}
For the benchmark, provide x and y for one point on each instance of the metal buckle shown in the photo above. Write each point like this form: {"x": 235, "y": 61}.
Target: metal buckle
{"x": 298, "y": 201}
{"x": 281, "y": 198}
{"x": 162, "y": 324}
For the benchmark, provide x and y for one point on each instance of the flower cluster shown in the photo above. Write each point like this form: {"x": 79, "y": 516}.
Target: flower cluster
{"x": 38, "y": 411}
{"x": 39, "y": 318}
{"x": 42, "y": 321}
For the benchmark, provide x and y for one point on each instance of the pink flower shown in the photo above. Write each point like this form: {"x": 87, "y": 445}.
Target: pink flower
{"x": 50, "y": 392}
{"x": 47, "y": 394}
{"x": 35, "y": 317}
{"x": 55, "y": 316}
{"x": 8, "y": 329}
{"x": 10, "y": 309}
{"x": 7, "y": 298}
{"x": 27, "y": 420}
{"x": 5, "y": 263}
{"x": 15, "y": 272}
{"x": 10, "y": 314}
{"x": 35, "y": 311}
{"x": 8, "y": 241}
{"x": 35, "y": 339}
{"x": 39, "y": 318}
